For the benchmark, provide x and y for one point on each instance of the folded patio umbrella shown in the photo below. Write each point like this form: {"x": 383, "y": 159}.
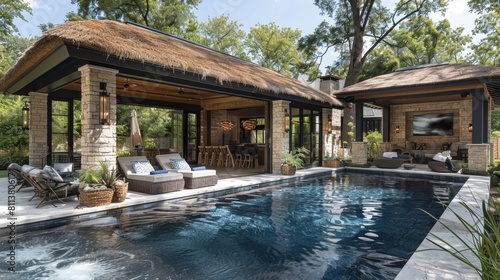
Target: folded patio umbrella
{"x": 135, "y": 132}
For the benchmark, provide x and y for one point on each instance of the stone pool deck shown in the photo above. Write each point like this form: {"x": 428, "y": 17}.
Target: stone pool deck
{"x": 422, "y": 265}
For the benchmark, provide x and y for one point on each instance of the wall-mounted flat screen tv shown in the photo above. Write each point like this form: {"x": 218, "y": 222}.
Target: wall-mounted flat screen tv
{"x": 433, "y": 124}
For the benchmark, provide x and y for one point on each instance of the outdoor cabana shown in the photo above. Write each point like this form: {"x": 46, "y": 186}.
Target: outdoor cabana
{"x": 431, "y": 108}
{"x": 102, "y": 63}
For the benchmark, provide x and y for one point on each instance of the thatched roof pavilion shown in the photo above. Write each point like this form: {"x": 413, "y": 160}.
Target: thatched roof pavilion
{"x": 122, "y": 44}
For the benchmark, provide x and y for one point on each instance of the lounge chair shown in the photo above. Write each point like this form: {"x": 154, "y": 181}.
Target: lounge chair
{"x": 439, "y": 166}
{"x": 145, "y": 181}
{"x": 15, "y": 170}
{"x": 194, "y": 178}
{"x": 49, "y": 189}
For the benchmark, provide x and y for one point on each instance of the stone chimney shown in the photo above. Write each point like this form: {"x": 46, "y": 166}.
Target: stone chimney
{"x": 329, "y": 83}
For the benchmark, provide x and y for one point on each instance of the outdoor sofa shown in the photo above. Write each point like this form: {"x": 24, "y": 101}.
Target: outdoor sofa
{"x": 152, "y": 181}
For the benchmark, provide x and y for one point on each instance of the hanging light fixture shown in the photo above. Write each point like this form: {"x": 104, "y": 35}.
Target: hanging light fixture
{"x": 329, "y": 125}
{"x": 26, "y": 116}
{"x": 249, "y": 124}
{"x": 287, "y": 121}
{"x": 103, "y": 104}
{"x": 226, "y": 125}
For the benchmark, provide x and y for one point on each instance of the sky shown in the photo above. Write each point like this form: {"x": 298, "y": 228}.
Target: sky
{"x": 297, "y": 14}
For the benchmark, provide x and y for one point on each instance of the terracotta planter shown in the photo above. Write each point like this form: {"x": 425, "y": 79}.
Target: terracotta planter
{"x": 332, "y": 163}
{"x": 288, "y": 169}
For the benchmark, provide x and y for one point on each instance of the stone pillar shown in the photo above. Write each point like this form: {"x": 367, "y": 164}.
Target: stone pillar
{"x": 280, "y": 142}
{"x": 479, "y": 156}
{"x": 327, "y": 137}
{"x": 359, "y": 152}
{"x": 38, "y": 146}
{"x": 98, "y": 140}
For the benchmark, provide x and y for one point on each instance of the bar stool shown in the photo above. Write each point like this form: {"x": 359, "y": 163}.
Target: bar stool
{"x": 238, "y": 157}
{"x": 228, "y": 157}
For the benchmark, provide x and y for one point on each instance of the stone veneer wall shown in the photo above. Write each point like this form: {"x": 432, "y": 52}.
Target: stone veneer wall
{"x": 280, "y": 139}
{"x": 38, "y": 146}
{"x": 98, "y": 140}
{"x": 479, "y": 156}
{"x": 402, "y": 116}
{"x": 359, "y": 152}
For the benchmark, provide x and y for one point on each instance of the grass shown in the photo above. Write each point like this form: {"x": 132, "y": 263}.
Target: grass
{"x": 484, "y": 243}
{"x": 3, "y": 173}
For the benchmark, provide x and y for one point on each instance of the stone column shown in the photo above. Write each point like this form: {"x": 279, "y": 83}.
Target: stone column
{"x": 38, "y": 146}
{"x": 98, "y": 140}
{"x": 359, "y": 152}
{"x": 479, "y": 156}
{"x": 280, "y": 142}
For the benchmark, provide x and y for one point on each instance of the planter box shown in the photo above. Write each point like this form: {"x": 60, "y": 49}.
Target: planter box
{"x": 332, "y": 163}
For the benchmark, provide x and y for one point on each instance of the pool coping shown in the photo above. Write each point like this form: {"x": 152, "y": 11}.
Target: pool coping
{"x": 422, "y": 264}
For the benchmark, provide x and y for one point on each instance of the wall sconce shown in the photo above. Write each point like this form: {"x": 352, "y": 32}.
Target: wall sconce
{"x": 287, "y": 121}
{"x": 470, "y": 127}
{"x": 103, "y": 104}
{"x": 26, "y": 116}
{"x": 397, "y": 129}
{"x": 329, "y": 125}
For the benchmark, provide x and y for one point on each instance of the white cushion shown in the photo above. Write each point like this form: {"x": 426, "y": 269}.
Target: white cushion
{"x": 390, "y": 155}
{"x": 199, "y": 173}
{"x": 155, "y": 178}
{"x": 439, "y": 157}
{"x": 64, "y": 167}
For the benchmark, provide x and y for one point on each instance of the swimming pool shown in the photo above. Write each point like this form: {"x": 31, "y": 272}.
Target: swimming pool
{"x": 350, "y": 226}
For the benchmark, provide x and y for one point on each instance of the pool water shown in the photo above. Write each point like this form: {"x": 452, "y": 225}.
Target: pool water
{"x": 352, "y": 226}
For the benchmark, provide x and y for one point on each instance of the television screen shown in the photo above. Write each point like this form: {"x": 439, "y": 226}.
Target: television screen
{"x": 433, "y": 124}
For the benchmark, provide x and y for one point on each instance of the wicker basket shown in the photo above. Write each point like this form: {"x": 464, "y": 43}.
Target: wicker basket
{"x": 288, "y": 169}
{"x": 96, "y": 198}
{"x": 120, "y": 193}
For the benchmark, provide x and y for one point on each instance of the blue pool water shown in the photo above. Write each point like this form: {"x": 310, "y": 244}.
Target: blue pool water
{"x": 354, "y": 226}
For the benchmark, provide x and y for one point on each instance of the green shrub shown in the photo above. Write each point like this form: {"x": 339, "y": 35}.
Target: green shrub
{"x": 20, "y": 159}
{"x": 373, "y": 139}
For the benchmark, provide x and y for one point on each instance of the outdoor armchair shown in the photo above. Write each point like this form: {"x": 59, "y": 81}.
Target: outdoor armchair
{"x": 195, "y": 177}
{"x": 143, "y": 178}
{"x": 14, "y": 170}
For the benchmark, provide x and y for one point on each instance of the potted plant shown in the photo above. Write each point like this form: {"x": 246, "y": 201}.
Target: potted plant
{"x": 294, "y": 160}
{"x": 330, "y": 161}
{"x": 97, "y": 185}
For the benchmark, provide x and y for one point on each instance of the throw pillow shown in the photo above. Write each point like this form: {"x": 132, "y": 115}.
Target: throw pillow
{"x": 196, "y": 168}
{"x": 179, "y": 164}
{"x": 52, "y": 172}
{"x": 439, "y": 157}
{"x": 142, "y": 167}
{"x": 446, "y": 153}
{"x": 154, "y": 172}
{"x": 390, "y": 155}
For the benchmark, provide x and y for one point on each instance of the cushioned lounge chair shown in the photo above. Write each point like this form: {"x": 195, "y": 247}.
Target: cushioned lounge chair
{"x": 439, "y": 166}
{"x": 49, "y": 189}
{"x": 147, "y": 183}
{"x": 15, "y": 170}
{"x": 194, "y": 178}
{"x": 390, "y": 163}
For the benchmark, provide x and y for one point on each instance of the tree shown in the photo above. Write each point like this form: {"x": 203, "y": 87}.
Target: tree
{"x": 357, "y": 23}
{"x": 9, "y": 10}
{"x": 226, "y": 36}
{"x": 14, "y": 140}
{"x": 487, "y": 52}
{"x": 495, "y": 120}
{"x": 275, "y": 48}
{"x": 170, "y": 16}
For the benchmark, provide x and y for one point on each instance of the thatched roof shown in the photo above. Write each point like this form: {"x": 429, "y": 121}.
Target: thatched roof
{"x": 131, "y": 42}
{"x": 445, "y": 74}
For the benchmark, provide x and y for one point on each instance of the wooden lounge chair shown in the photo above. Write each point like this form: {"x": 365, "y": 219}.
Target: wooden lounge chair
{"x": 48, "y": 189}
{"x": 193, "y": 178}
{"x": 147, "y": 183}
{"x": 14, "y": 170}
